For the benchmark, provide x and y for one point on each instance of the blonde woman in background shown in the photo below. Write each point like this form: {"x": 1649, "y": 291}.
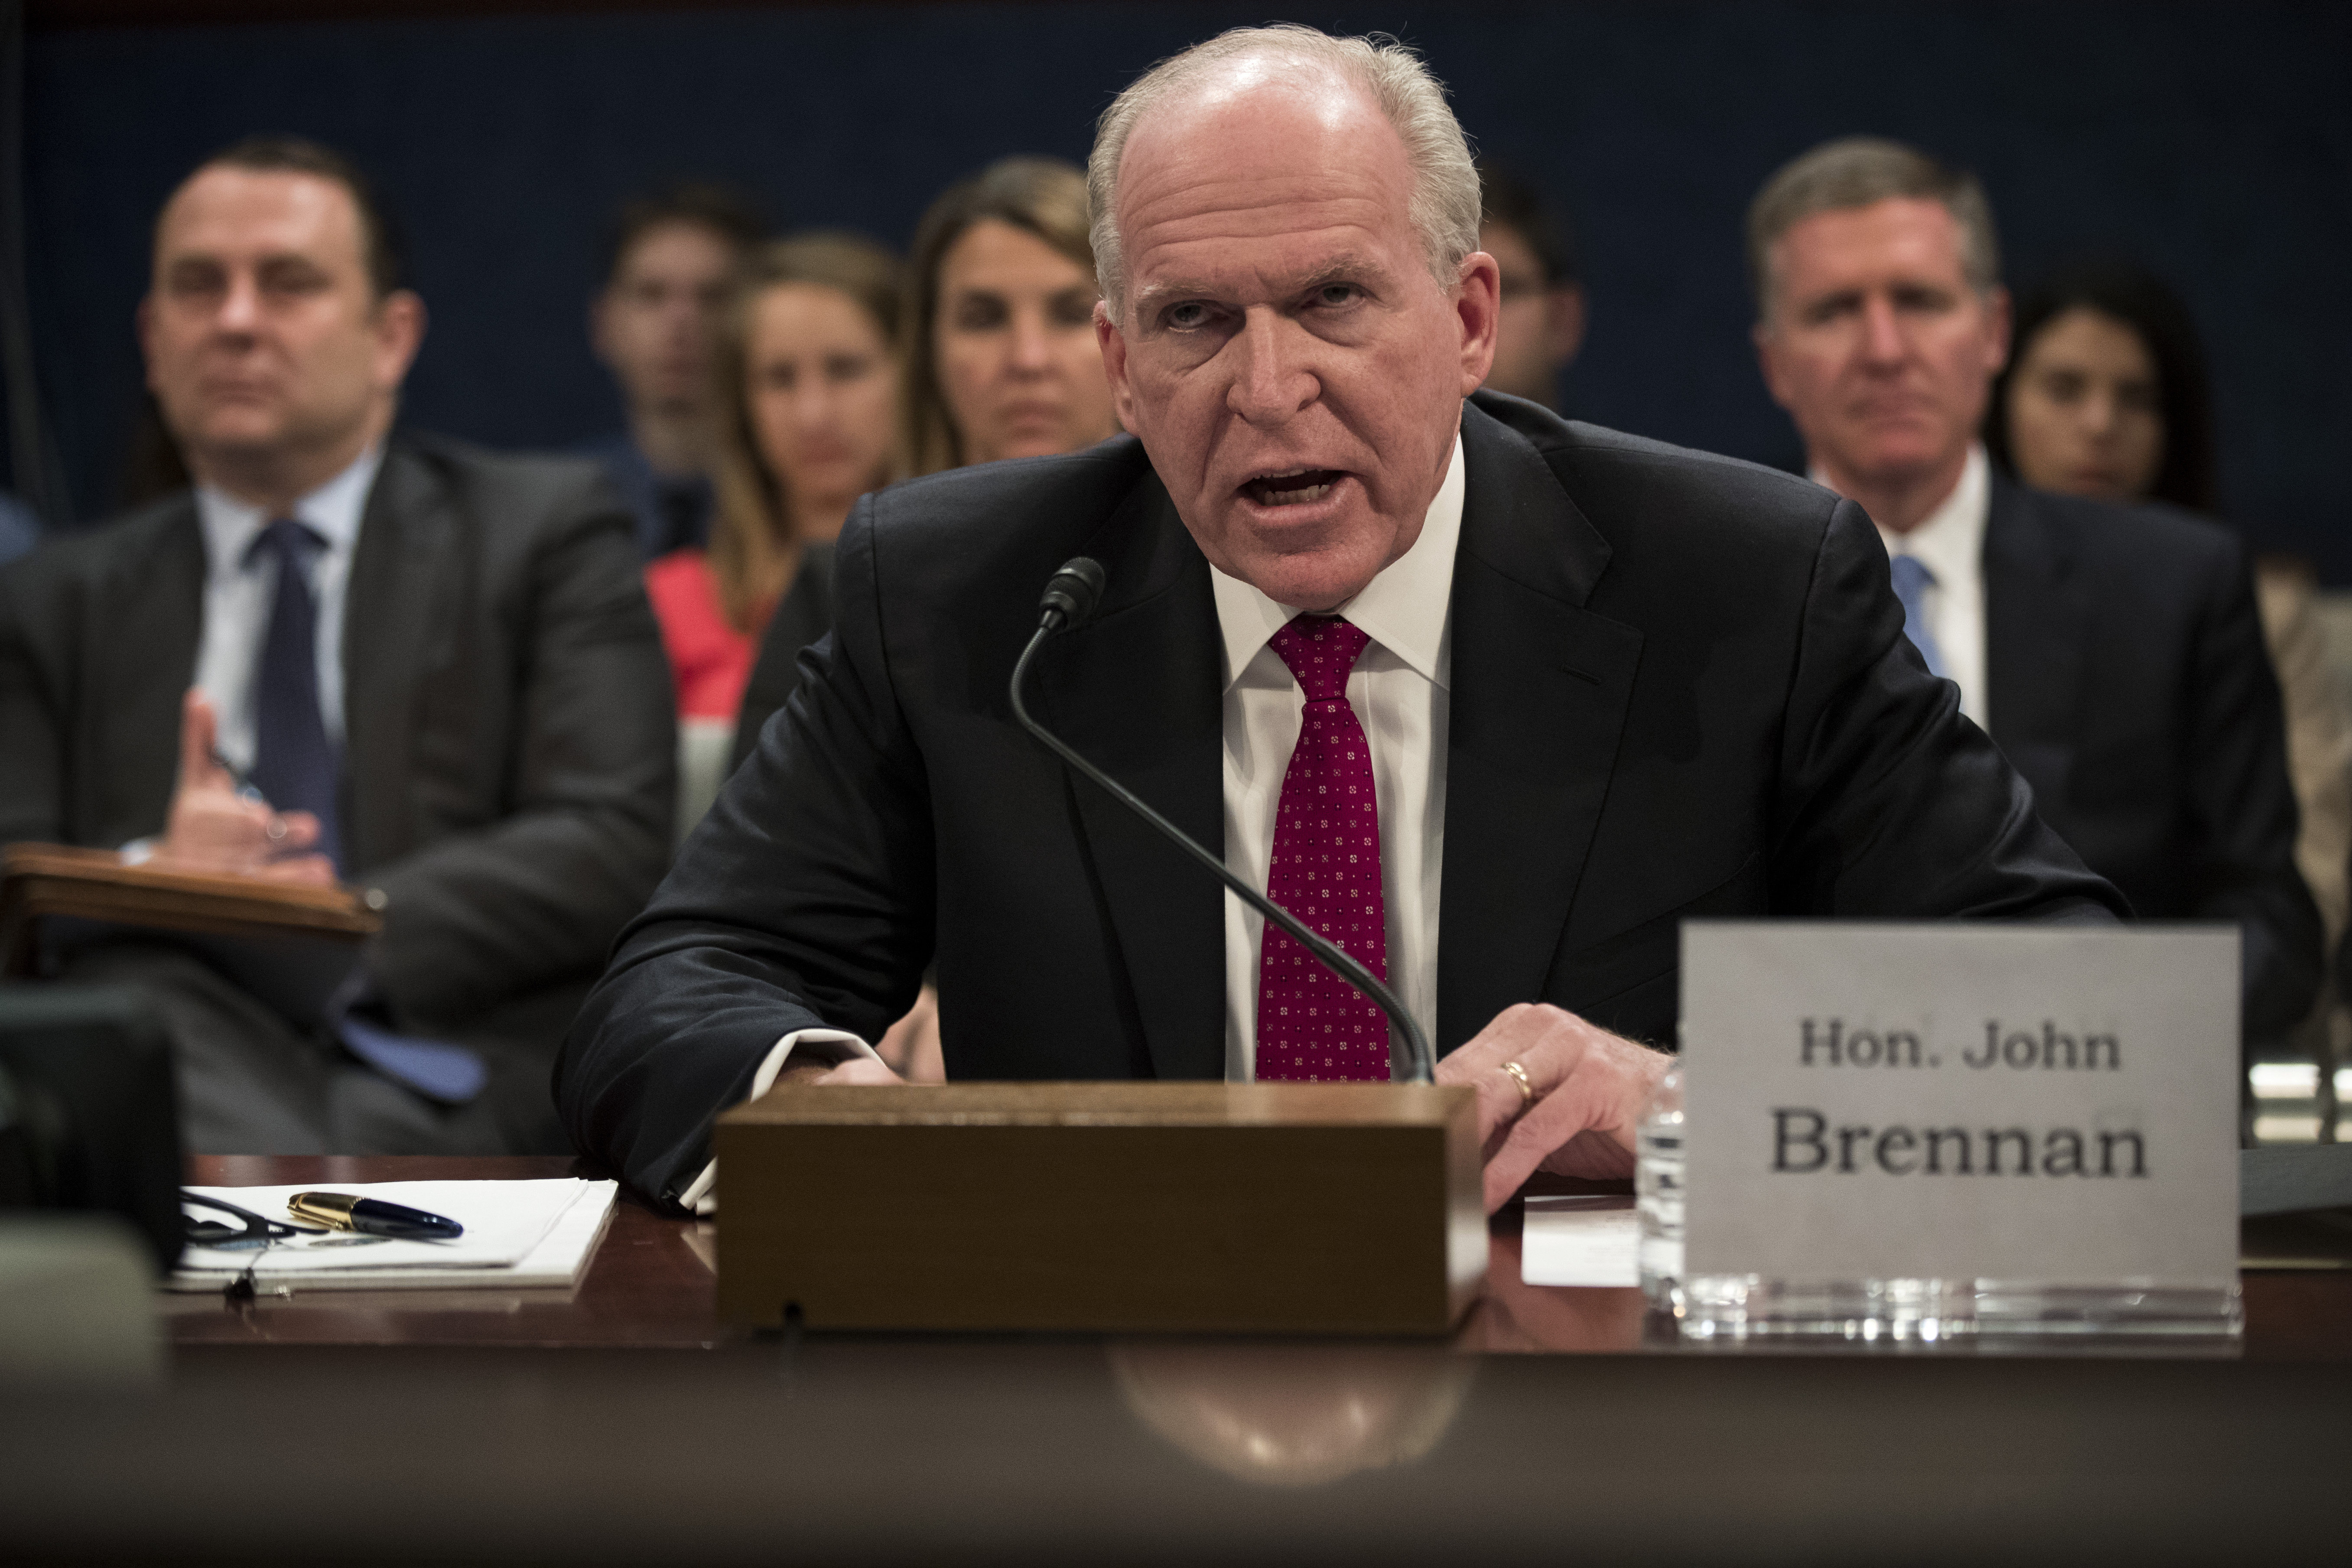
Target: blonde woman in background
{"x": 809, "y": 372}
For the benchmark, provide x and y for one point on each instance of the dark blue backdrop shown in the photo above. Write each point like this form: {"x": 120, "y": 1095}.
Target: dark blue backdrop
{"x": 2214, "y": 140}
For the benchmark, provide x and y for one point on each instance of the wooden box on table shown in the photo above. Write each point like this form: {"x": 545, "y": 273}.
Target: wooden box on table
{"x": 1104, "y": 1207}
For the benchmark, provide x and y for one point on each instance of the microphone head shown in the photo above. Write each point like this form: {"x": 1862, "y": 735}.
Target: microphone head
{"x": 1072, "y": 594}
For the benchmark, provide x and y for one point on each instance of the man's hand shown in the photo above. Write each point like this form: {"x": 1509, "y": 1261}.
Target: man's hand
{"x": 910, "y": 1053}
{"x": 912, "y": 1045}
{"x": 1581, "y": 1107}
{"x": 215, "y": 828}
{"x": 856, "y": 1069}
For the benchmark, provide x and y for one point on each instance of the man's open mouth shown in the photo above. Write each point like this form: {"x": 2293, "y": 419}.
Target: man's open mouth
{"x": 1298, "y": 485}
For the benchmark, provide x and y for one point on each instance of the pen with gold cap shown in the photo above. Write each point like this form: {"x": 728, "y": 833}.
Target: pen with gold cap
{"x": 372, "y": 1217}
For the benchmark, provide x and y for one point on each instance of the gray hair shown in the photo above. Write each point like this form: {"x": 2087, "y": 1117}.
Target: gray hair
{"x": 1860, "y": 172}
{"x": 1445, "y": 205}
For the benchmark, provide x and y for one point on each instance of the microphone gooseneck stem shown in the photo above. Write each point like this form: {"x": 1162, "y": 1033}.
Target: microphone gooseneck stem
{"x": 1424, "y": 1067}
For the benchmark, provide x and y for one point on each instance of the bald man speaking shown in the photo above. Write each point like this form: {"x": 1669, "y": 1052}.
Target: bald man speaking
{"x": 1500, "y": 699}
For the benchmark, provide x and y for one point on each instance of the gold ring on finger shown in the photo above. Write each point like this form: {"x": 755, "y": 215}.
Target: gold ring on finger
{"x": 1526, "y": 1089}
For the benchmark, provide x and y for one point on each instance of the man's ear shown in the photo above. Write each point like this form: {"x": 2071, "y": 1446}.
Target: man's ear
{"x": 1999, "y": 320}
{"x": 399, "y": 333}
{"x": 1479, "y": 307}
{"x": 1113, "y": 344}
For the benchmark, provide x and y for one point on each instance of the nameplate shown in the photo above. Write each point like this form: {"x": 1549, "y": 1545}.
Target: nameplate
{"x": 1955, "y": 1101}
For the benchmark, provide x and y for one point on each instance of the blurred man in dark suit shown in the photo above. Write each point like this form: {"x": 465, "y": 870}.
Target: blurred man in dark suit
{"x": 675, "y": 259}
{"x": 350, "y": 652}
{"x": 2113, "y": 652}
{"x": 1498, "y": 701}
{"x": 1541, "y": 323}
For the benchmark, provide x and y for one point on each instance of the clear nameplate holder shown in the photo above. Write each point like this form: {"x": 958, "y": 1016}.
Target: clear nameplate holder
{"x": 1992, "y": 1313}
{"x": 1921, "y": 1134}
{"x": 1901, "y": 1313}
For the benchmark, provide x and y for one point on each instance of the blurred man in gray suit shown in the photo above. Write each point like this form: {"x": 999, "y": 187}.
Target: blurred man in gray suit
{"x": 349, "y": 653}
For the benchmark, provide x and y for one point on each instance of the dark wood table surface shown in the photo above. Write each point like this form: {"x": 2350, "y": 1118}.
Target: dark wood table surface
{"x": 652, "y": 1284}
{"x": 408, "y": 1427}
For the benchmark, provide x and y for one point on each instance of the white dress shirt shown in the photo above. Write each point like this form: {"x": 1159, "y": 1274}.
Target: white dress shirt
{"x": 239, "y": 594}
{"x": 1949, "y": 542}
{"x": 1398, "y": 690}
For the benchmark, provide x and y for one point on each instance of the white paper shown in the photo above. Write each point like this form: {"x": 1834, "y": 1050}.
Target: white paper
{"x": 517, "y": 1234}
{"x": 1580, "y": 1241}
{"x": 1961, "y": 1102}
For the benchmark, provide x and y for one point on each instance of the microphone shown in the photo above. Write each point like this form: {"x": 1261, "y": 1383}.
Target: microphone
{"x": 1071, "y": 594}
{"x": 1070, "y": 598}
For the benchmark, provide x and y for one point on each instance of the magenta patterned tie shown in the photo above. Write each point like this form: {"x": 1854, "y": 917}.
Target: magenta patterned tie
{"x": 1326, "y": 869}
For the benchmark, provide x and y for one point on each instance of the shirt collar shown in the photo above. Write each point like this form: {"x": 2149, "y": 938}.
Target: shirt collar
{"x": 1949, "y": 539}
{"x": 1404, "y": 608}
{"x": 335, "y": 509}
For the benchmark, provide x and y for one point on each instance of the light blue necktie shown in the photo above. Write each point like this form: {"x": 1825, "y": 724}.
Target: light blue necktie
{"x": 1912, "y": 581}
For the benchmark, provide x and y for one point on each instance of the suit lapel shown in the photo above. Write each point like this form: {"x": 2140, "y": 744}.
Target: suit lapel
{"x": 147, "y": 675}
{"x": 2034, "y": 620}
{"x": 408, "y": 546}
{"x": 1136, "y": 692}
{"x": 1538, "y": 692}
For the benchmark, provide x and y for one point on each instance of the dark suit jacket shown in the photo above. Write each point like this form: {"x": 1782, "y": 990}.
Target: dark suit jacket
{"x": 509, "y": 766}
{"x": 803, "y": 615}
{"x": 2129, "y": 683}
{"x": 1680, "y": 688}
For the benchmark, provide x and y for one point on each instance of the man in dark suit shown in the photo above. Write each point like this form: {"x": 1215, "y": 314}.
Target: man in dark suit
{"x": 2113, "y": 653}
{"x": 674, "y": 260}
{"x": 350, "y": 653}
{"x": 1544, "y": 304}
{"x": 1572, "y": 687}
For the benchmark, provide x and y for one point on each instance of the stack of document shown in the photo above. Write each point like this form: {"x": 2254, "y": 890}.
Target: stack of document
{"x": 518, "y": 1233}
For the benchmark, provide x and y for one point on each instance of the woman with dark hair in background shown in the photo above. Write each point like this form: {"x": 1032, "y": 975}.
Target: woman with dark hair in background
{"x": 808, "y": 375}
{"x": 2106, "y": 395}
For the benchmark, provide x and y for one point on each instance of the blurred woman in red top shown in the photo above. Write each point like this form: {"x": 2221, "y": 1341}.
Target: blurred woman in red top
{"x": 810, "y": 368}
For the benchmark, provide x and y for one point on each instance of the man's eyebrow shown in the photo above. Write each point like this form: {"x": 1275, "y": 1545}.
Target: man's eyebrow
{"x": 1338, "y": 268}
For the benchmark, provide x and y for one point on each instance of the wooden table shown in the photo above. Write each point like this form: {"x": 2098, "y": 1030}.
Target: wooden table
{"x": 653, "y": 1285}
{"x": 406, "y": 1429}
